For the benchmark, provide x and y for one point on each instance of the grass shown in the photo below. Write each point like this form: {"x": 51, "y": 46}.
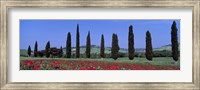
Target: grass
{"x": 159, "y": 61}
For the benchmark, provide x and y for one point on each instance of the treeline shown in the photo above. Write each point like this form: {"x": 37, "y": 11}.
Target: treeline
{"x": 149, "y": 54}
{"x": 48, "y": 52}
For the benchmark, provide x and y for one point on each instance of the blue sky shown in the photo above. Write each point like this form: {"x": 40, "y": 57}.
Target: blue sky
{"x": 56, "y": 31}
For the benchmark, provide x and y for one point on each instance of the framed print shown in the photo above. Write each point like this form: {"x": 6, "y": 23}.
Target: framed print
{"x": 103, "y": 44}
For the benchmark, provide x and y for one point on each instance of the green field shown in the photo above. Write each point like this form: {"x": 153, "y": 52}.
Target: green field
{"x": 161, "y": 61}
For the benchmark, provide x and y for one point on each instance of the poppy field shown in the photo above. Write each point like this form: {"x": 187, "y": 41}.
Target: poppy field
{"x": 94, "y": 64}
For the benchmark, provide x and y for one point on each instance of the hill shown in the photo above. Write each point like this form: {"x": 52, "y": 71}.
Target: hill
{"x": 95, "y": 49}
{"x": 165, "y": 47}
{"x": 23, "y": 52}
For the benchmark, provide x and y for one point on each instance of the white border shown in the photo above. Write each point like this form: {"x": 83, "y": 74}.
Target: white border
{"x": 183, "y": 75}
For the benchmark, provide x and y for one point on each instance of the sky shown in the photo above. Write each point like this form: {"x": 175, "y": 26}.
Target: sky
{"x": 56, "y": 31}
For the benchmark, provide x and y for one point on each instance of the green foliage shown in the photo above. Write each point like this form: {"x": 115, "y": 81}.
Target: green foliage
{"x": 174, "y": 41}
{"x": 115, "y": 47}
{"x": 29, "y": 50}
{"x": 36, "y": 49}
{"x": 94, "y": 55}
{"x": 40, "y": 53}
{"x": 149, "y": 50}
{"x": 68, "y": 45}
{"x": 102, "y": 49}
{"x": 131, "y": 48}
{"x": 107, "y": 55}
{"x": 121, "y": 54}
{"x": 60, "y": 52}
{"x": 140, "y": 54}
{"x": 47, "y": 49}
{"x": 163, "y": 53}
{"x": 77, "y": 42}
{"x": 88, "y": 44}
{"x": 54, "y": 52}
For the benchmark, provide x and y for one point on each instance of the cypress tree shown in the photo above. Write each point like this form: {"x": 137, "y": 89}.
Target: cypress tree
{"x": 149, "y": 50}
{"x": 131, "y": 48}
{"x": 102, "y": 54}
{"x": 60, "y": 52}
{"x": 88, "y": 44}
{"x": 68, "y": 45}
{"x": 115, "y": 47}
{"x": 47, "y": 49}
{"x": 29, "y": 50}
{"x": 77, "y": 42}
{"x": 36, "y": 49}
{"x": 174, "y": 41}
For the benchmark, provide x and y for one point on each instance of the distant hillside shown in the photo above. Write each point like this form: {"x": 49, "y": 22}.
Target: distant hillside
{"x": 165, "y": 47}
{"x": 95, "y": 49}
{"x": 23, "y": 52}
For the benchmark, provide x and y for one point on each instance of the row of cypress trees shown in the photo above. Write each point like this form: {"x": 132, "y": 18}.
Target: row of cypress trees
{"x": 131, "y": 50}
{"x": 149, "y": 49}
{"x": 47, "y": 50}
{"x": 115, "y": 47}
